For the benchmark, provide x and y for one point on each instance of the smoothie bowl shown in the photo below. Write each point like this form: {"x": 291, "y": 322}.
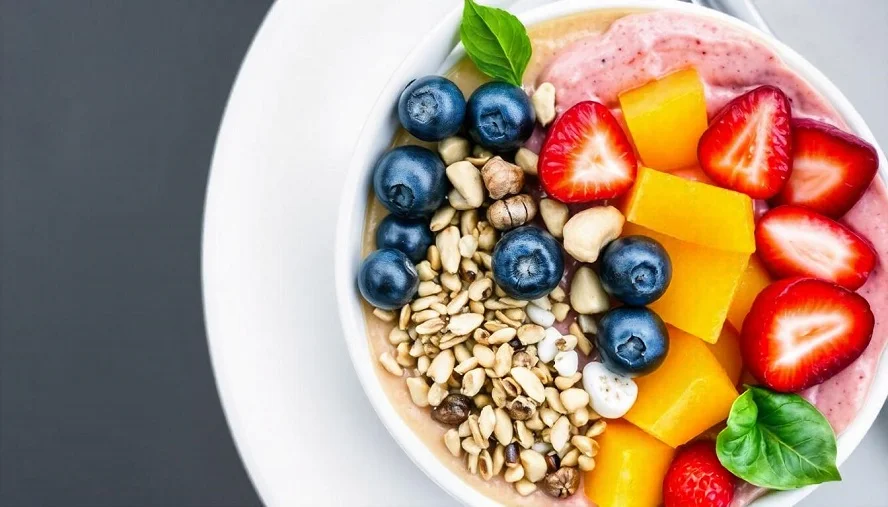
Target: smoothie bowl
{"x": 616, "y": 253}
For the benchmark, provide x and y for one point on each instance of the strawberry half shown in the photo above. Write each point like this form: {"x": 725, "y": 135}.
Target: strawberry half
{"x": 831, "y": 169}
{"x": 795, "y": 241}
{"x": 586, "y": 156}
{"x": 696, "y": 478}
{"x": 748, "y": 145}
{"x": 802, "y": 331}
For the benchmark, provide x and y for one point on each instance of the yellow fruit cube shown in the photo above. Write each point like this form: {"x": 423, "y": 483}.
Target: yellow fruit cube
{"x": 686, "y": 395}
{"x": 727, "y": 351}
{"x": 666, "y": 119}
{"x": 754, "y": 280}
{"x": 691, "y": 211}
{"x": 704, "y": 281}
{"x": 629, "y": 468}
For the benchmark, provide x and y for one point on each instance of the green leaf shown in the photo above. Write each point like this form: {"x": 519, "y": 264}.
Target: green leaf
{"x": 495, "y": 41}
{"x": 777, "y": 441}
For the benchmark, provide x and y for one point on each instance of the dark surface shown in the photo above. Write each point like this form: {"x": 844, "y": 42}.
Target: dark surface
{"x": 109, "y": 110}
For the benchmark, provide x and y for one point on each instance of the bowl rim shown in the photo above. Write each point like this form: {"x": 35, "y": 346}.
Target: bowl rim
{"x": 371, "y": 143}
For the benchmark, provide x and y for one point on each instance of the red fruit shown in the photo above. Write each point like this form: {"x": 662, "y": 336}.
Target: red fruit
{"x": 795, "y": 241}
{"x": 802, "y": 331}
{"x": 587, "y": 156}
{"x": 748, "y": 145}
{"x": 831, "y": 169}
{"x": 697, "y": 479}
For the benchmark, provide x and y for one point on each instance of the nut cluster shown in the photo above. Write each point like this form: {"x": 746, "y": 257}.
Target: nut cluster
{"x": 480, "y": 361}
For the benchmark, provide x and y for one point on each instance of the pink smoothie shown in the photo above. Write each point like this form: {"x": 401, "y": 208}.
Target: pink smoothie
{"x": 642, "y": 47}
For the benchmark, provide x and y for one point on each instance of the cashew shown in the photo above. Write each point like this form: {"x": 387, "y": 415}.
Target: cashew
{"x": 454, "y": 149}
{"x": 527, "y": 161}
{"x": 587, "y": 296}
{"x": 590, "y": 230}
{"x": 543, "y": 101}
{"x": 502, "y": 178}
{"x": 467, "y": 181}
{"x": 555, "y": 215}
{"x": 512, "y": 212}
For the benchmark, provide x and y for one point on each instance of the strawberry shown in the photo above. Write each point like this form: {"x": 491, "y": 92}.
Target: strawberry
{"x": 748, "y": 145}
{"x": 831, "y": 169}
{"x": 802, "y": 331}
{"x": 586, "y": 156}
{"x": 697, "y": 479}
{"x": 795, "y": 241}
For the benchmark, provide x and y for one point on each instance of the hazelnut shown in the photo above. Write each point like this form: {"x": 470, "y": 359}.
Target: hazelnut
{"x": 454, "y": 410}
{"x": 502, "y": 178}
{"x": 561, "y": 483}
{"x": 553, "y": 462}
{"x": 511, "y": 212}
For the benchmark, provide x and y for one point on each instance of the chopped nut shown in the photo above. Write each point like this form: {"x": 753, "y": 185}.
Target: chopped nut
{"x": 539, "y": 316}
{"x": 404, "y": 358}
{"x": 462, "y": 353}
{"x": 525, "y": 487}
{"x": 502, "y": 362}
{"x": 466, "y": 180}
{"x": 454, "y": 410}
{"x": 436, "y": 394}
{"x": 424, "y": 303}
{"x": 535, "y": 423}
{"x": 558, "y": 294}
{"x": 511, "y": 212}
{"x": 452, "y": 442}
{"x": 565, "y": 383}
{"x": 514, "y": 473}
{"x": 485, "y": 465}
{"x": 447, "y": 242}
{"x": 424, "y": 315}
{"x": 471, "y": 446}
{"x": 499, "y": 459}
{"x": 458, "y": 202}
{"x": 587, "y": 324}
{"x": 428, "y": 288}
{"x": 422, "y": 364}
{"x": 587, "y": 295}
{"x": 430, "y": 326}
{"x": 384, "y": 315}
{"x": 475, "y": 428}
{"x": 565, "y": 343}
{"x": 529, "y": 383}
{"x": 442, "y": 218}
{"x": 530, "y": 334}
{"x": 434, "y": 258}
{"x": 484, "y": 355}
{"x": 590, "y": 230}
{"x": 586, "y": 463}
{"x": 543, "y": 101}
{"x": 560, "y": 434}
{"x": 554, "y": 399}
{"x": 388, "y": 362}
{"x": 561, "y": 483}
{"x": 566, "y": 363}
{"x": 404, "y": 317}
{"x": 466, "y": 367}
{"x": 522, "y": 359}
{"x": 580, "y": 417}
{"x": 464, "y": 430}
{"x": 574, "y": 398}
{"x": 527, "y": 161}
{"x": 486, "y": 236}
{"x": 502, "y": 178}
{"x": 419, "y": 391}
{"x": 542, "y": 373}
{"x": 597, "y": 428}
{"x": 570, "y": 458}
{"x": 468, "y": 220}
{"x": 555, "y": 215}
{"x": 487, "y": 421}
{"x": 511, "y": 387}
{"x": 502, "y": 427}
{"x": 584, "y": 444}
{"x": 583, "y": 343}
{"x": 458, "y": 303}
{"x": 503, "y": 335}
{"x": 473, "y": 381}
{"x": 534, "y": 465}
{"x": 398, "y": 336}
{"x": 464, "y": 323}
{"x": 467, "y": 247}
{"x": 482, "y": 400}
{"x": 442, "y": 367}
{"x": 453, "y": 149}
{"x": 480, "y": 289}
{"x": 549, "y": 416}
{"x": 480, "y": 156}
{"x": 451, "y": 281}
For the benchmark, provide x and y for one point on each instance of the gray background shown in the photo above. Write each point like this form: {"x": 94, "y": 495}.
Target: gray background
{"x": 108, "y": 111}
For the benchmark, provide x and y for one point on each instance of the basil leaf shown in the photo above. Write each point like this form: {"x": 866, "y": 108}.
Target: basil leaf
{"x": 495, "y": 41}
{"x": 777, "y": 441}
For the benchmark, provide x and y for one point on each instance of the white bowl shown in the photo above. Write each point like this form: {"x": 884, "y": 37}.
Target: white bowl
{"x": 435, "y": 54}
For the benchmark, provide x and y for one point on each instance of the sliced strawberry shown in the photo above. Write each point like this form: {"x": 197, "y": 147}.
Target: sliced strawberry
{"x": 696, "y": 478}
{"x": 586, "y": 156}
{"x": 747, "y": 146}
{"x": 802, "y": 331}
{"x": 831, "y": 169}
{"x": 795, "y": 241}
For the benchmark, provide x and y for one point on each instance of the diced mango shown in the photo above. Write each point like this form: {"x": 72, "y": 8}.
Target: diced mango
{"x": 686, "y": 395}
{"x": 629, "y": 468}
{"x": 691, "y": 211}
{"x": 704, "y": 281}
{"x": 754, "y": 280}
{"x": 666, "y": 118}
{"x": 727, "y": 351}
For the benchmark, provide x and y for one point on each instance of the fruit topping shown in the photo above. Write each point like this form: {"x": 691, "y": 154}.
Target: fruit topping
{"x": 636, "y": 270}
{"x": 586, "y": 156}
{"x": 387, "y": 279}
{"x": 409, "y": 235}
{"x": 688, "y": 394}
{"x": 753, "y": 281}
{"x": 632, "y": 341}
{"x": 795, "y": 241}
{"x": 410, "y": 182}
{"x": 692, "y": 211}
{"x": 432, "y": 108}
{"x": 499, "y": 116}
{"x": 748, "y": 146}
{"x": 802, "y": 331}
{"x": 527, "y": 263}
{"x": 831, "y": 169}
{"x": 611, "y": 395}
{"x": 666, "y": 119}
{"x": 696, "y": 478}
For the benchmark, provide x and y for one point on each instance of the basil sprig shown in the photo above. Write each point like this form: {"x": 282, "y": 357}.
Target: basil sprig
{"x": 778, "y": 441}
{"x": 495, "y": 41}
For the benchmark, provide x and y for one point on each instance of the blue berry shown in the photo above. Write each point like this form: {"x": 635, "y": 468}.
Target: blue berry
{"x": 632, "y": 341}
{"x": 499, "y": 116}
{"x": 409, "y": 235}
{"x": 432, "y": 108}
{"x": 636, "y": 270}
{"x": 388, "y": 279}
{"x": 527, "y": 263}
{"x": 410, "y": 181}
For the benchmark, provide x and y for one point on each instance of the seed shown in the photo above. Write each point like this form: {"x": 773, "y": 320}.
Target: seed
{"x": 513, "y": 303}
{"x": 398, "y": 336}
{"x": 425, "y": 271}
{"x": 451, "y": 282}
{"x": 442, "y": 218}
{"x": 452, "y": 442}
{"x": 422, "y": 364}
{"x": 486, "y": 236}
{"x": 449, "y": 340}
{"x": 554, "y": 399}
{"x": 565, "y": 383}
{"x": 548, "y": 416}
{"x": 513, "y": 473}
{"x": 580, "y": 417}
{"x": 404, "y": 358}
{"x": 597, "y": 428}
{"x": 487, "y": 421}
{"x": 583, "y": 443}
{"x": 480, "y": 289}
{"x": 516, "y": 314}
{"x": 560, "y": 433}
{"x": 499, "y": 459}
{"x": 529, "y": 383}
{"x": 442, "y": 367}
{"x": 502, "y": 336}
{"x": 539, "y": 316}
{"x": 424, "y": 315}
{"x": 502, "y": 427}
{"x": 473, "y": 381}
{"x": 388, "y": 362}
{"x": 494, "y": 304}
{"x": 522, "y": 359}
{"x": 467, "y": 246}
{"x": 475, "y": 429}
{"x": 525, "y": 487}
{"x": 433, "y": 255}
{"x": 431, "y": 326}
{"x": 464, "y": 323}
{"x": 404, "y": 317}
{"x": 458, "y": 303}
{"x": 535, "y": 423}
{"x": 521, "y": 408}
{"x": 534, "y": 465}
{"x": 493, "y": 325}
{"x": 447, "y": 242}
{"x": 436, "y": 394}
{"x": 466, "y": 180}
{"x": 530, "y": 334}
{"x": 461, "y": 352}
{"x": 561, "y": 483}
{"x": 384, "y": 315}
{"x": 525, "y": 436}
{"x": 424, "y": 303}
{"x": 476, "y": 307}
{"x": 502, "y": 360}
{"x": 586, "y": 463}
{"x": 428, "y": 288}
{"x": 417, "y": 349}
{"x": 484, "y": 355}
{"x": 486, "y": 260}
{"x": 471, "y": 446}
{"x": 498, "y": 395}
{"x": 468, "y": 270}
{"x": 542, "y": 373}
{"x": 570, "y": 459}
{"x": 465, "y": 367}
{"x": 468, "y": 221}
{"x": 485, "y": 465}
{"x": 505, "y": 319}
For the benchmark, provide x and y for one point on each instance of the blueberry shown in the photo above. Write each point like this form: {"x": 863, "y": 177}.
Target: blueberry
{"x": 632, "y": 341}
{"x": 410, "y": 181}
{"x": 499, "y": 116}
{"x": 388, "y": 279}
{"x": 636, "y": 270}
{"x": 432, "y": 108}
{"x": 527, "y": 263}
{"x": 409, "y": 235}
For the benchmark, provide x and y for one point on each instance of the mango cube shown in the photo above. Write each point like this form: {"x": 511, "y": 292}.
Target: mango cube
{"x": 629, "y": 468}
{"x": 754, "y": 280}
{"x": 704, "y": 281}
{"x": 685, "y": 396}
{"x": 727, "y": 351}
{"x": 691, "y": 211}
{"x": 666, "y": 118}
